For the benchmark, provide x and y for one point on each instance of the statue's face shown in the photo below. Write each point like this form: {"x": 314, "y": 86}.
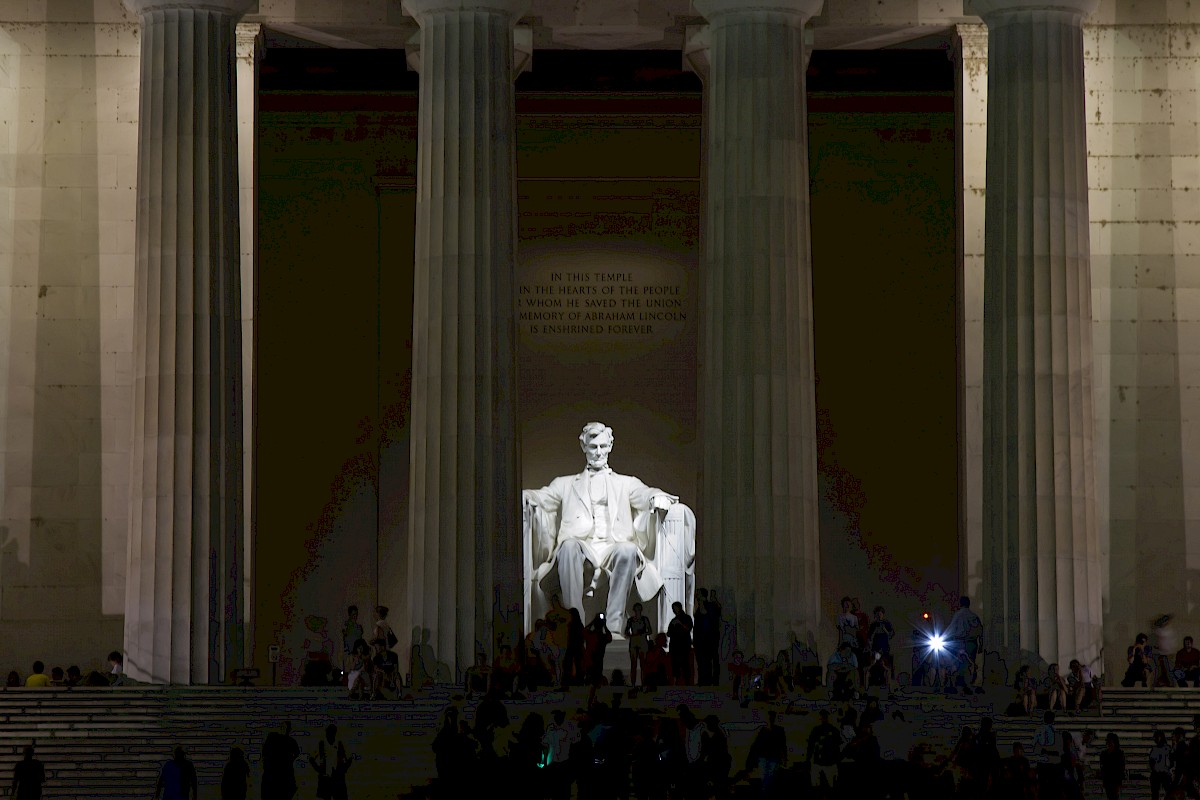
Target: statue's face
{"x": 597, "y": 450}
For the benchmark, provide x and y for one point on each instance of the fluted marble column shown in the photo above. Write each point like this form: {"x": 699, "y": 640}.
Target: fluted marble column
{"x": 183, "y": 605}
{"x": 758, "y": 541}
{"x": 1041, "y": 553}
{"x": 464, "y": 526}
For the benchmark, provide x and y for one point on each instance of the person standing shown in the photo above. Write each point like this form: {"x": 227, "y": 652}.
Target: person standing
{"x": 1112, "y": 767}
{"x": 824, "y": 753}
{"x": 279, "y": 754}
{"x": 557, "y": 741}
{"x": 880, "y": 634}
{"x": 235, "y": 777}
{"x": 29, "y": 775}
{"x": 176, "y": 779}
{"x": 1165, "y": 643}
{"x": 769, "y": 753}
{"x": 679, "y": 635}
{"x": 1160, "y": 766}
{"x": 962, "y": 636}
{"x": 847, "y": 625}
{"x": 708, "y": 638}
{"x": 383, "y": 628}
{"x": 704, "y": 631}
{"x": 1140, "y": 656}
{"x": 352, "y": 631}
{"x": 573, "y": 655}
{"x": 601, "y": 637}
{"x": 714, "y": 756}
{"x": 637, "y": 631}
{"x": 331, "y": 763}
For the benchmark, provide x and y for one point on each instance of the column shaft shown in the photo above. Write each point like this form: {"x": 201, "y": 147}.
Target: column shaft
{"x": 1042, "y": 564}
{"x": 185, "y": 545}
{"x": 463, "y": 486}
{"x": 759, "y": 541}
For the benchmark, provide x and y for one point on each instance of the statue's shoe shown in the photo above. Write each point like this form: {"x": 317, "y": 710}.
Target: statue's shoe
{"x": 595, "y": 584}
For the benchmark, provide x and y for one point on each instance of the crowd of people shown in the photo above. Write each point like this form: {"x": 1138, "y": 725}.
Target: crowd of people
{"x": 1153, "y": 666}
{"x": 57, "y": 677}
{"x": 562, "y": 650}
{"x": 844, "y": 750}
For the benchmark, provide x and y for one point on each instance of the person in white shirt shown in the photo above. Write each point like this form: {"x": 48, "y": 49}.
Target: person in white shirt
{"x": 1080, "y": 679}
{"x": 847, "y": 624}
{"x": 116, "y": 672}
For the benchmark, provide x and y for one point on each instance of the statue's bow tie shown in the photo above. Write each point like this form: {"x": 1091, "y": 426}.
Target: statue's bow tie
{"x": 595, "y": 470}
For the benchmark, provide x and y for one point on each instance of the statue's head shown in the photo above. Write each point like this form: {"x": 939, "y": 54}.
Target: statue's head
{"x": 596, "y": 441}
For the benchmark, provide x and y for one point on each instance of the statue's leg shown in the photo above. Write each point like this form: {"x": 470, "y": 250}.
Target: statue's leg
{"x": 570, "y": 573}
{"x": 623, "y": 568}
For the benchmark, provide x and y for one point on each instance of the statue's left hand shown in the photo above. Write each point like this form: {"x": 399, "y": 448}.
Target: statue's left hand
{"x": 663, "y": 502}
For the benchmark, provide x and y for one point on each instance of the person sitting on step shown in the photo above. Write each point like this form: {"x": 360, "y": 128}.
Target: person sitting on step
{"x": 1140, "y": 656}
{"x": 1082, "y": 684}
{"x": 841, "y": 673}
{"x": 1187, "y": 664}
{"x": 385, "y": 666}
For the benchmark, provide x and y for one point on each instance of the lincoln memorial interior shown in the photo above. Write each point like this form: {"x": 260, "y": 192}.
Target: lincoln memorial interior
{"x": 901, "y": 298}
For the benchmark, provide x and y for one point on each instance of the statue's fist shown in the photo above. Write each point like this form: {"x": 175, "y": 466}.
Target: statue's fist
{"x": 662, "y": 502}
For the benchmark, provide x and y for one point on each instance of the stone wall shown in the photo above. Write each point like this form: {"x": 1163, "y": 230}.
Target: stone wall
{"x": 68, "y": 155}
{"x": 1143, "y": 69}
{"x": 1141, "y": 63}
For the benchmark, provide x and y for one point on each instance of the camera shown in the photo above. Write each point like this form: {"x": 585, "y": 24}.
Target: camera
{"x": 601, "y": 615}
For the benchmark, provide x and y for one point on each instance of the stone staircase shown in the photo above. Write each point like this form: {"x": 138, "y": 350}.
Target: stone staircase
{"x": 109, "y": 743}
{"x": 1133, "y": 714}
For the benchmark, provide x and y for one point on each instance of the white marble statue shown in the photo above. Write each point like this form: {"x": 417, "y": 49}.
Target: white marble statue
{"x": 599, "y": 529}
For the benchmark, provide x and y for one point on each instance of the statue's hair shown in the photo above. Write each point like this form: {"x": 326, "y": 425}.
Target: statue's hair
{"x": 592, "y": 430}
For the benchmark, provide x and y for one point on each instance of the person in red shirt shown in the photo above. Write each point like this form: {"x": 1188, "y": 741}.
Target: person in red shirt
{"x": 657, "y": 669}
{"x": 1187, "y": 664}
{"x": 863, "y": 651}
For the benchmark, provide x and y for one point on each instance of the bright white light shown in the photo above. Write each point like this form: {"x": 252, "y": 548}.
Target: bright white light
{"x": 937, "y": 642}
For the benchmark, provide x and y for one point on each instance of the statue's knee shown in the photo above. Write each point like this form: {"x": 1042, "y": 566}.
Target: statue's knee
{"x": 626, "y": 553}
{"x": 570, "y": 553}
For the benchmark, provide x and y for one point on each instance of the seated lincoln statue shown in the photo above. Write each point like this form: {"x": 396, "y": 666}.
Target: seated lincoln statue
{"x": 598, "y": 537}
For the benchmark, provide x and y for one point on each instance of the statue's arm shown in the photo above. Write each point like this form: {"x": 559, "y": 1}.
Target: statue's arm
{"x": 548, "y": 498}
{"x": 542, "y": 507}
{"x": 644, "y": 498}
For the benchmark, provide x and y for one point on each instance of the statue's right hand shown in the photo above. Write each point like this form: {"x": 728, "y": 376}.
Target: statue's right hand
{"x": 528, "y": 498}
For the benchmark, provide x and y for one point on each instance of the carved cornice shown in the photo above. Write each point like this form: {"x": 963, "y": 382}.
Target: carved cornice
{"x": 234, "y": 8}
{"x": 806, "y": 9}
{"x": 514, "y": 9}
{"x": 994, "y": 8}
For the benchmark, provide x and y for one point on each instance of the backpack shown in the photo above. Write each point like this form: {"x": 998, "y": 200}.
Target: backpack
{"x": 828, "y": 748}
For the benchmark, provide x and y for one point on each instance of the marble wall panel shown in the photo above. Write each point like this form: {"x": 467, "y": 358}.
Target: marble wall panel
{"x": 64, "y": 356}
